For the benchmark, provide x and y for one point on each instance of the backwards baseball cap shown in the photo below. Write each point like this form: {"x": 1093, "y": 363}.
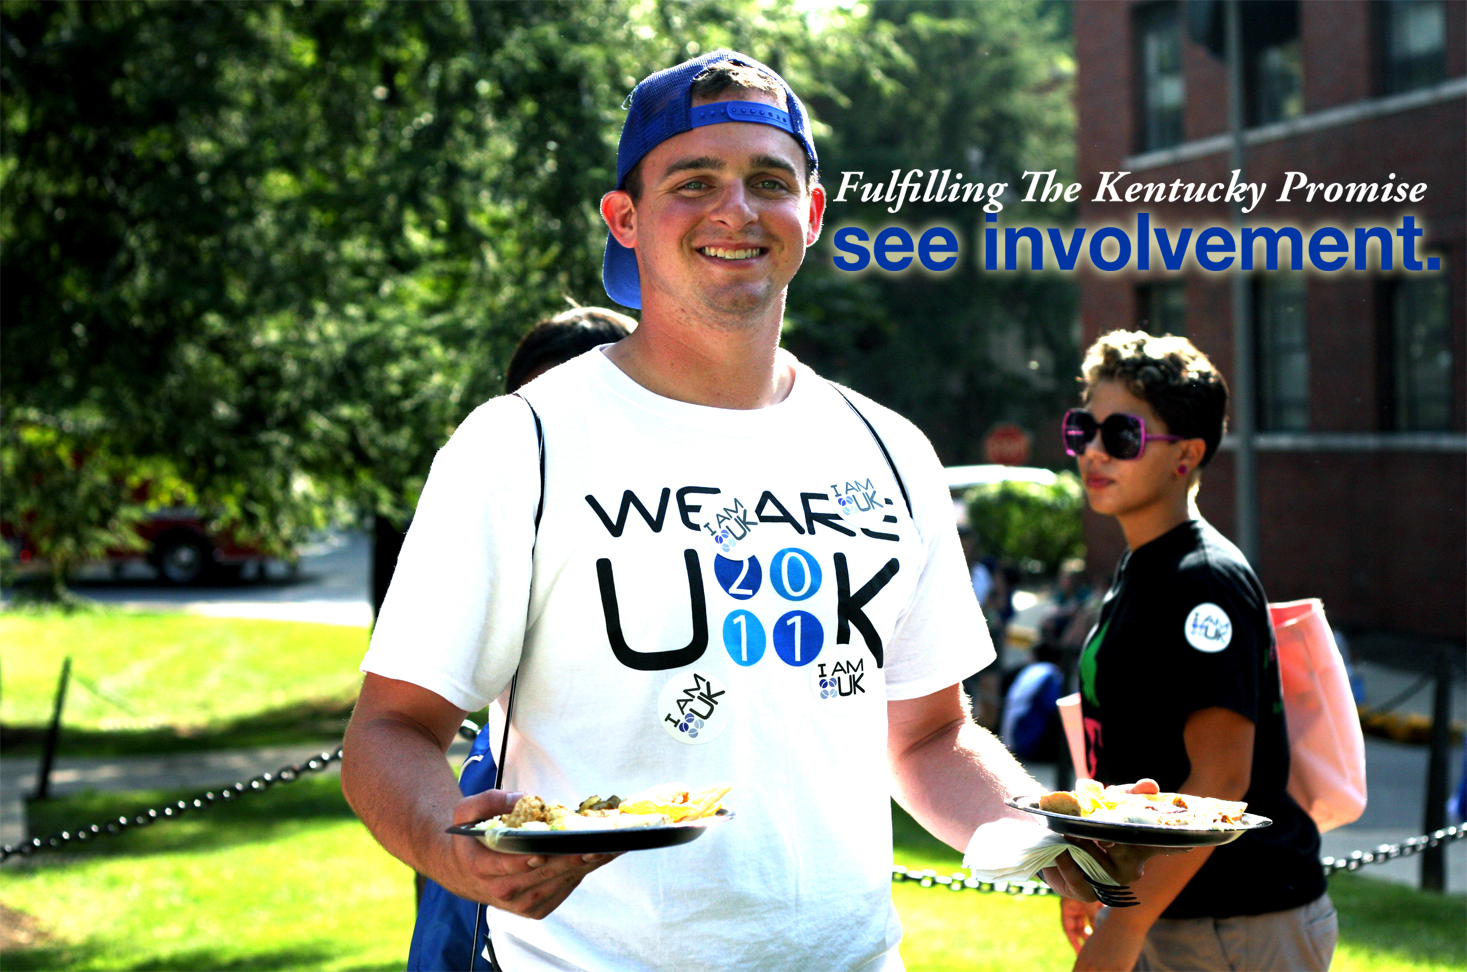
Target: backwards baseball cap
{"x": 661, "y": 107}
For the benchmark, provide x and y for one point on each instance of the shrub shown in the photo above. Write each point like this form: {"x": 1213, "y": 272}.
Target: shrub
{"x": 67, "y": 493}
{"x": 1035, "y": 526}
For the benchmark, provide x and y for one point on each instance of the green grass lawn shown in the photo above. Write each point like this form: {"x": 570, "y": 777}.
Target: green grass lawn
{"x": 290, "y": 880}
{"x": 151, "y": 682}
{"x": 287, "y": 879}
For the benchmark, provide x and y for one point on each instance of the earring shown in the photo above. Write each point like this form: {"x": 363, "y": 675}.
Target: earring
{"x": 1181, "y": 470}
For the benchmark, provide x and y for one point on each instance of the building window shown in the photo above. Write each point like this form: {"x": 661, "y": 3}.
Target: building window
{"x": 1419, "y": 393}
{"x": 1159, "y": 76}
{"x": 1163, "y": 307}
{"x": 1283, "y": 354}
{"x": 1413, "y": 44}
{"x": 1275, "y": 61}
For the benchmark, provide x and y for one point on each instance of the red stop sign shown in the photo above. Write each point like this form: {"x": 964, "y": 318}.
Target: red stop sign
{"x": 1006, "y": 445}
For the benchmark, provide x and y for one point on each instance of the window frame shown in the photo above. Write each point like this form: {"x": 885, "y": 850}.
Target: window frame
{"x": 1400, "y": 410}
{"x": 1149, "y": 294}
{"x": 1387, "y": 78}
{"x": 1143, "y": 17}
{"x": 1269, "y": 30}
{"x": 1272, "y": 404}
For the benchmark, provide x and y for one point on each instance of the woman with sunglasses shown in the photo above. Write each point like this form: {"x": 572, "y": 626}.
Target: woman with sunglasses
{"x": 1179, "y": 681}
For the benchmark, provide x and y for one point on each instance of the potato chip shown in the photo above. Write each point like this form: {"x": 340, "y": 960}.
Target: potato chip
{"x": 676, "y": 801}
{"x": 1116, "y": 804}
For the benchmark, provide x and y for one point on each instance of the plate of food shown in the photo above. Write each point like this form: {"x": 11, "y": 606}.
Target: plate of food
{"x": 660, "y": 817}
{"x": 1110, "y": 813}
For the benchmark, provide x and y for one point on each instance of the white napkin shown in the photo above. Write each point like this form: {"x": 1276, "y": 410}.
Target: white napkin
{"x": 1015, "y": 850}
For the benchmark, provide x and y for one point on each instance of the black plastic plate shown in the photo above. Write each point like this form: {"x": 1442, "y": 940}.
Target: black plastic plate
{"x": 590, "y": 841}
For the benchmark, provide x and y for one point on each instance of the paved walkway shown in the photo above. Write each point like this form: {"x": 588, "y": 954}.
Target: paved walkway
{"x": 333, "y": 585}
{"x": 201, "y": 771}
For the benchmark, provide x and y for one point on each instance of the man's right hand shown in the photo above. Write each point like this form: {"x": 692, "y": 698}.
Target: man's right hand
{"x": 531, "y": 886}
{"x": 395, "y": 776}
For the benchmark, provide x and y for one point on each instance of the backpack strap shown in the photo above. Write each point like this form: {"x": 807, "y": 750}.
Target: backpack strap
{"x": 539, "y": 510}
{"x": 880, "y": 444}
{"x": 540, "y": 445}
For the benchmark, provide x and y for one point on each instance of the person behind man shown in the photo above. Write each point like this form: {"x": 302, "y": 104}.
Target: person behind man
{"x": 445, "y": 933}
{"x": 1031, "y": 726}
{"x": 732, "y": 571}
{"x": 561, "y": 337}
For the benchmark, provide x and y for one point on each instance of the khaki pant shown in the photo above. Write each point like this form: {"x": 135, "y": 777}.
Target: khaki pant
{"x": 1298, "y": 940}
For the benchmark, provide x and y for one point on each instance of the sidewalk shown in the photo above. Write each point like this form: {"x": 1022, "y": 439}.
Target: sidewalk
{"x": 332, "y": 586}
{"x": 201, "y": 771}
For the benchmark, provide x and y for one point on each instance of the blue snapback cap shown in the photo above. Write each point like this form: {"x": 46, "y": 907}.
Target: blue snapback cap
{"x": 661, "y": 107}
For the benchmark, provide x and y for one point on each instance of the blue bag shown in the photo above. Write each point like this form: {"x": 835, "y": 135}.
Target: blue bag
{"x": 443, "y": 935}
{"x": 1031, "y": 711}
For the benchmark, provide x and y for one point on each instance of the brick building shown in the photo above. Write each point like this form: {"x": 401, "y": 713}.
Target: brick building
{"x": 1361, "y": 375}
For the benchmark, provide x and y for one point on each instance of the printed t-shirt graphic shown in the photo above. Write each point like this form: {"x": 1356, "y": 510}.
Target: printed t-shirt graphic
{"x": 1184, "y": 627}
{"x": 699, "y": 608}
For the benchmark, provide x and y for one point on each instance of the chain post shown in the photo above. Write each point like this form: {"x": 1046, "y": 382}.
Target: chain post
{"x": 53, "y": 733}
{"x": 1434, "y": 862}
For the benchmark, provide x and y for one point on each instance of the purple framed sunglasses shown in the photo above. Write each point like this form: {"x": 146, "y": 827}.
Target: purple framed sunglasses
{"x": 1123, "y": 436}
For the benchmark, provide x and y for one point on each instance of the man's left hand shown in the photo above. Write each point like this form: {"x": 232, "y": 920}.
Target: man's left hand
{"x": 1124, "y": 862}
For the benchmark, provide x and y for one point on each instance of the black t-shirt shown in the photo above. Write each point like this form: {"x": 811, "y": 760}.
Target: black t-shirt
{"x": 1185, "y": 627}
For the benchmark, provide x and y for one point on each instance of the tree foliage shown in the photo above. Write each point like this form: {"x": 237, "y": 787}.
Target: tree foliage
{"x": 1029, "y": 524}
{"x": 982, "y": 88}
{"x": 279, "y": 250}
{"x": 70, "y": 495}
{"x": 273, "y": 241}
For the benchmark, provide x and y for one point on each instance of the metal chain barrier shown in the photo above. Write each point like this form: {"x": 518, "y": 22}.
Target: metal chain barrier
{"x": 1390, "y": 704}
{"x": 899, "y": 874}
{"x": 1386, "y": 852}
{"x": 1353, "y": 862}
{"x": 958, "y": 882}
{"x": 172, "y": 811}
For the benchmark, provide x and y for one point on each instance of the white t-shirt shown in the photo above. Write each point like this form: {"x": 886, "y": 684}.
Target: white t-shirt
{"x": 696, "y": 609}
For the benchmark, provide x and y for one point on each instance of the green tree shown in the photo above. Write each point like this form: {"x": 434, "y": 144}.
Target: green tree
{"x": 279, "y": 250}
{"x": 287, "y": 247}
{"x": 982, "y": 89}
{"x": 69, "y": 494}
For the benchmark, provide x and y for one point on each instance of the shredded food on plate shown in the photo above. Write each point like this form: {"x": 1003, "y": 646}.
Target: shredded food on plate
{"x": 1112, "y": 804}
{"x": 657, "y": 807}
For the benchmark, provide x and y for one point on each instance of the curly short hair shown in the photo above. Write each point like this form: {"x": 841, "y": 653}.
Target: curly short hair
{"x": 1178, "y": 381}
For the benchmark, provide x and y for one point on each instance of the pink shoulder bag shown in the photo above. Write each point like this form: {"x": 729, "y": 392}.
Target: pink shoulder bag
{"x": 1326, "y": 747}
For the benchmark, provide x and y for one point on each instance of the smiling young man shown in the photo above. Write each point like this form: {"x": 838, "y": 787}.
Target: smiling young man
{"x": 693, "y": 560}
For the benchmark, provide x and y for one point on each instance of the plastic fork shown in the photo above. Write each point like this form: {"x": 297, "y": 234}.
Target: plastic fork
{"x": 1113, "y": 895}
